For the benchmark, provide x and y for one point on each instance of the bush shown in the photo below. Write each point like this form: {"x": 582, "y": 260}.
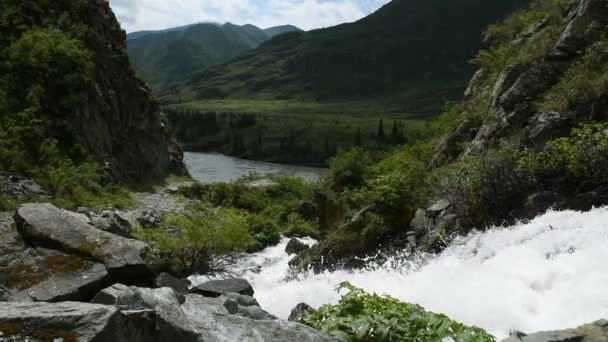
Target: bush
{"x": 265, "y": 232}
{"x": 7, "y": 204}
{"x": 298, "y": 227}
{"x": 197, "y": 240}
{"x": 582, "y": 83}
{"x": 364, "y": 317}
{"x": 348, "y": 170}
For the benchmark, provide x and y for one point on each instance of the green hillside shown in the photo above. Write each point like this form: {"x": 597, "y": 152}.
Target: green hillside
{"x": 400, "y": 51}
{"x": 173, "y": 55}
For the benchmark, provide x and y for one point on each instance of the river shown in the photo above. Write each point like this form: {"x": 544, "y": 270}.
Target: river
{"x": 549, "y": 273}
{"x": 216, "y": 168}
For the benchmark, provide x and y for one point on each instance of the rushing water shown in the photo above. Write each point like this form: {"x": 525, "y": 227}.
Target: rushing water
{"x": 550, "y": 273}
{"x": 215, "y": 168}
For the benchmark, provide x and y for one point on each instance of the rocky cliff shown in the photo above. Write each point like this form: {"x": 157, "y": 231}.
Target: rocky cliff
{"x": 119, "y": 120}
{"x": 66, "y": 81}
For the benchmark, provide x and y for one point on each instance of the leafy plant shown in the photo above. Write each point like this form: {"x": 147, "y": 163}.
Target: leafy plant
{"x": 298, "y": 227}
{"x": 363, "y": 317}
{"x": 198, "y": 240}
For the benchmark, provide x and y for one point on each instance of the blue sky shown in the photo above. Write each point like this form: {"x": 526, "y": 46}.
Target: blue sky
{"x": 136, "y": 15}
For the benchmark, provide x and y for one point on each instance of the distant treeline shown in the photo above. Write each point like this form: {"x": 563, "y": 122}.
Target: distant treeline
{"x": 257, "y": 136}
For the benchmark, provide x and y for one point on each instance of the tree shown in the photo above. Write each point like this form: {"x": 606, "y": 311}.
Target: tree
{"x": 381, "y": 135}
{"x": 358, "y": 141}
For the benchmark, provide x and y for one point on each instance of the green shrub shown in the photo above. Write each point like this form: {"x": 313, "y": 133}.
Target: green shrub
{"x": 364, "y": 317}
{"x": 348, "y": 170}
{"x": 265, "y": 232}
{"x": 195, "y": 240}
{"x": 7, "y": 204}
{"x": 298, "y": 227}
{"x": 582, "y": 83}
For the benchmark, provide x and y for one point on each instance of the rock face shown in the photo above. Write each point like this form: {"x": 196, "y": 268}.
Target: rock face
{"x": 216, "y": 288}
{"x": 20, "y": 188}
{"x": 50, "y": 255}
{"x": 227, "y": 318}
{"x": 595, "y": 332}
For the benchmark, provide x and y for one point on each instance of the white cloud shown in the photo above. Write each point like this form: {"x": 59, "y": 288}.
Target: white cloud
{"x": 136, "y": 15}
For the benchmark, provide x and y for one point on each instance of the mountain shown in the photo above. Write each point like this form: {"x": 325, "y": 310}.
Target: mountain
{"x": 173, "y": 55}
{"x": 405, "y": 44}
{"x": 139, "y": 34}
{"x": 69, "y": 95}
{"x": 277, "y": 30}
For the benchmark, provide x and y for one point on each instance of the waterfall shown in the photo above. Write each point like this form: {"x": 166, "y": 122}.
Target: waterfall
{"x": 546, "y": 274}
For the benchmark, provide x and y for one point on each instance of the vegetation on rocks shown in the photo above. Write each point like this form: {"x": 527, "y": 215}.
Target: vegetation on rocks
{"x": 360, "y": 317}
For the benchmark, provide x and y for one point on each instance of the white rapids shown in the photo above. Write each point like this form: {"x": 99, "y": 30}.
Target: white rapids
{"x": 550, "y": 273}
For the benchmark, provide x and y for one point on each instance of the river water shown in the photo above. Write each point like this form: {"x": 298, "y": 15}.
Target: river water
{"x": 550, "y": 273}
{"x": 216, "y": 168}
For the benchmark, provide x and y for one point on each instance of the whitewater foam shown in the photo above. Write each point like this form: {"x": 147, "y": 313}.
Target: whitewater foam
{"x": 549, "y": 273}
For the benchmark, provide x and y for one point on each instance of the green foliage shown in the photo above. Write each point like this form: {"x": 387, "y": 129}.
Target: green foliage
{"x": 189, "y": 240}
{"x": 265, "y": 232}
{"x": 582, "y": 83}
{"x": 364, "y": 317}
{"x": 296, "y": 226}
{"x": 497, "y": 58}
{"x": 492, "y": 188}
{"x": 348, "y": 170}
{"x": 7, "y": 204}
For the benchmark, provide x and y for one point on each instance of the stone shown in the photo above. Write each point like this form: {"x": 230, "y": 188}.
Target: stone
{"x": 216, "y": 288}
{"x": 545, "y": 126}
{"x": 71, "y": 321}
{"x": 584, "y": 21}
{"x": 148, "y": 219}
{"x": 44, "y": 225}
{"x": 438, "y": 207}
{"x": 112, "y": 222}
{"x": 539, "y": 202}
{"x": 178, "y": 285}
{"x": 21, "y": 188}
{"x": 243, "y": 300}
{"x": 506, "y": 80}
{"x": 207, "y": 319}
{"x": 298, "y": 313}
{"x": 594, "y": 332}
{"x": 307, "y": 210}
{"x": 419, "y": 222}
{"x": 295, "y": 246}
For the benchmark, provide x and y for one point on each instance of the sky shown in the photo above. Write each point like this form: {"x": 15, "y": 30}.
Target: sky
{"x": 139, "y": 15}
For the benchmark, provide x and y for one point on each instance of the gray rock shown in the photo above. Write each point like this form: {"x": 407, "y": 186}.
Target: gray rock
{"x": 545, "y": 126}
{"x": 178, "y": 285}
{"x": 438, "y": 207}
{"x": 216, "y": 288}
{"x": 70, "y": 321}
{"x": 595, "y": 332}
{"x": 21, "y": 188}
{"x": 231, "y": 305}
{"x": 583, "y": 23}
{"x": 149, "y": 219}
{"x": 506, "y": 80}
{"x": 295, "y": 246}
{"x": 208, "y": 319}
{"x": 243, "y": 300}
{"x": 419, "y": 222}
{"x": 46, "y": 226}
{"x": 112, "y": 222}
{"x": 298, "y": 313}
{"x": 540, "y": 202}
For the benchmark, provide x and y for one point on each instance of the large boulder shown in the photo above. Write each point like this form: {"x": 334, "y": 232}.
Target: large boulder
{"x": 595, "y": 332}
{"x": 70, "y": 321}
{"x": 295, "y": 246}
{"x": 216, "y": 288}
{"x": 112, "y": 222}
{"x": 44, "y": 225}
{"x": 224, "y": 319}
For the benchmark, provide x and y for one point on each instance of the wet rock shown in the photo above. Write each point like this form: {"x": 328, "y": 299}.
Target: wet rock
{"x": 216, "y": 288}
{"x": 44, "y": 225}
{"x": 112, "y": 222}
{"x": 71, "y": 321}
{"x": 231, "y": 305}
{"x": 595, "y": 332}
{"x": 243, "y": 300}
{"x": 298, "y": 313}
{"x": 419, "y": 222}
{"x": 540, "y": 202}
{"x": 178, "y": 285}
{"x": 295, "y": 246}
{"x": 307, "y": 210}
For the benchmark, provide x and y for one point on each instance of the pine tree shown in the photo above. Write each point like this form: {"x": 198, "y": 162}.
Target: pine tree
{"x": 381, "y": 135}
